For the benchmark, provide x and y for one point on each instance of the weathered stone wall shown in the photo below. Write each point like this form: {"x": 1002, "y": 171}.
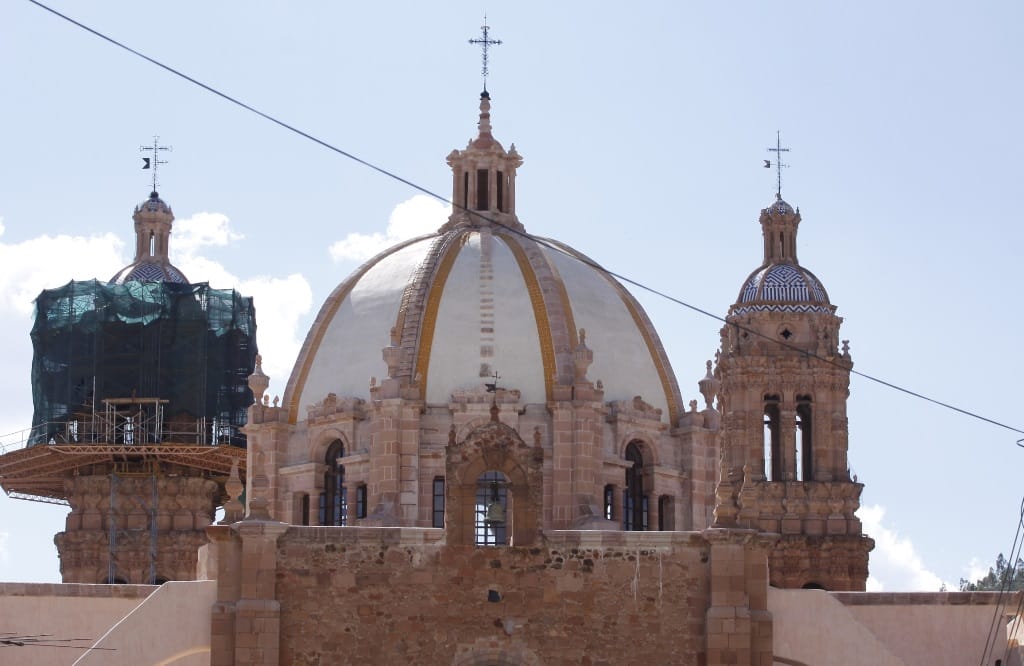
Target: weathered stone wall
{"x": 388, "y": 596}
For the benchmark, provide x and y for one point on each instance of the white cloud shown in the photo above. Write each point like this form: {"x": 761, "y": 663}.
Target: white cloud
{"x": 414, "y": 217}
{"x": 44, "y": 262}
{"x": 895, "y": 564}
{"x": 193, "y": 233}
{"x": 280, "y": 302}
{"x": 977, "y": 569}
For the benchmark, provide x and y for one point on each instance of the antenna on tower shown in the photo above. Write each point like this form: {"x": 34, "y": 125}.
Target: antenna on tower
{"x": 778, "y": 150}
{"x": 154, "y": 161}
{"x": 485, "y": 43}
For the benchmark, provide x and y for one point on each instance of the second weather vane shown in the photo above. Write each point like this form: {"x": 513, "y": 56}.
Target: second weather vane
{"x": 779, "y": 166}
{"x": 154, "y": 161}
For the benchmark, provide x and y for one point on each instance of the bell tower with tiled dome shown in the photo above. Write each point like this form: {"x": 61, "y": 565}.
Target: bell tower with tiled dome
{"x": 784, "y": 385}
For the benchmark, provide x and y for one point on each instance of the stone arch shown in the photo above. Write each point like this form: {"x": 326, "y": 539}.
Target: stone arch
{"x": 493, "y": 446}
{"x": 647, "y": 447}
{"x": 320, "y": 444}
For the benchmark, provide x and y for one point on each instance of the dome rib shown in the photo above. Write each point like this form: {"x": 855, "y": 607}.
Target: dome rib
{"x": 311, "y": 345}
{"x": 424, "y": 335}
{"x": 669, "y": 385}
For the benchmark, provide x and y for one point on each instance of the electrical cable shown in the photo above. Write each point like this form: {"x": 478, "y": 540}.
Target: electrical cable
{"x": 542, "y": 241}
{"x": 992, "y": 636}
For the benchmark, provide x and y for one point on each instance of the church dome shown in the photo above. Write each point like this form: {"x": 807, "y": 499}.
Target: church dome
{"x": 445, "y": 312}
{"x": 439, "y": 315}
{"x": 781, "y": 284}
{"x": 153, "y": 221}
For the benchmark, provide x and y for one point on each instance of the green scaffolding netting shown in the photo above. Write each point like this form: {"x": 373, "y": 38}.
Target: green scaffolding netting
{"x": 187, "y": 345}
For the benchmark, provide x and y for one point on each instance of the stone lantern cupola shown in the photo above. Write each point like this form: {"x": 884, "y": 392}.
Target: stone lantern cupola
{"x": 484, "y": 177}
{"x": 153, "y": 219}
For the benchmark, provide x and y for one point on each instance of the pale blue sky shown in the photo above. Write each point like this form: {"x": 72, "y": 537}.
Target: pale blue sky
{"x": 643, "y": 129}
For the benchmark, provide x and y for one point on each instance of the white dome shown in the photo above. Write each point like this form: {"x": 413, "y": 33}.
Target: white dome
{"x": 458, "y": 305}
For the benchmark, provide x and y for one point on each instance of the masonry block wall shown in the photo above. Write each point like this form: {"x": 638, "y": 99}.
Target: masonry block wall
{"x": 402, "y": 595}
{"x": 569, "y": 598}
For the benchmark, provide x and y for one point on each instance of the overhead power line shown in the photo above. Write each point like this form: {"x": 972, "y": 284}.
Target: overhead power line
{"x": 542, "y": 241}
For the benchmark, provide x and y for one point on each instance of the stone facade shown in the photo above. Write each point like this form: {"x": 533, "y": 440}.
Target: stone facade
{"x": 555, "y": 517}
{"x": 402, "y": 595}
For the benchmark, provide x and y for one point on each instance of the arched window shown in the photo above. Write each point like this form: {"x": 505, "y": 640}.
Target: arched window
{"x": 804, "y": 430}
{"x": 772, "y": 439}
{"x": 491, "y": 502}
{"x": 634, "y": 501}
{"x": 333, "y": 506}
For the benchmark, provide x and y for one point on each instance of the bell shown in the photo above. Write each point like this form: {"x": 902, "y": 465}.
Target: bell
{"x": 495, "y": 514}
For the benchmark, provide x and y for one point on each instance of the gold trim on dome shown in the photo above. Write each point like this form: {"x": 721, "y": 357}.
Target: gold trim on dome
{"x": 671, "y": 397}
{"x": 540, "y": 313}
{"x": 310, "y": 348}
{"x": 666, "y": 385}
{"x": 563, "y": 294}
{"x": 429, "y": 321}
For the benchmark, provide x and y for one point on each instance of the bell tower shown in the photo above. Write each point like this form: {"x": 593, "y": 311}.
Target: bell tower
{"x": 784, "y": 385}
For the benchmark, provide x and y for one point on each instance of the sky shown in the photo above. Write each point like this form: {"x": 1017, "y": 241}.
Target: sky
{"x": 643, "y": 129}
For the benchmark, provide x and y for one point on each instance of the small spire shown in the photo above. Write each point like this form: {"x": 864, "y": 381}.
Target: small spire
{"x": 484, "y": 125}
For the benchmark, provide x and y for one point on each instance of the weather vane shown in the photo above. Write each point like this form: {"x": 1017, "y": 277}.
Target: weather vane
{"x": 778, "y": 150}
{"x": 493, "y": 387}
{"x": 485, "y": 44}
{"x": 154, "y": 161}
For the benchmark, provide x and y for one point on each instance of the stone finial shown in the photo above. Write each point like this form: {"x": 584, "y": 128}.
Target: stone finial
{"x": 277, "y": 400}
{"x": 693, "y": 406}
{"x": 583, "y": 357}
{"x": 266, "y": 400}
{"x": 709, "y": 387}
{"x": 494, "y": 411}
{"x": 233, "y": 508}
{"x": 846, "y": 349}
{"x": 258, "y": 381}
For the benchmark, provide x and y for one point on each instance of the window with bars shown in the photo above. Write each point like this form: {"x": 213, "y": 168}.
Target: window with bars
{"x": 438, "y": 504}
{"x": 361, "y": 501}
{"x": 492, "y": 486}
{"x": 333, "y": 503}
{"x": 634, "y": 504}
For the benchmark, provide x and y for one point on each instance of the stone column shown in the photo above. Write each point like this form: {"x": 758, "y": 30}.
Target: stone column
{"x": 246, "y": 618}
{"x": 738, "y": 628}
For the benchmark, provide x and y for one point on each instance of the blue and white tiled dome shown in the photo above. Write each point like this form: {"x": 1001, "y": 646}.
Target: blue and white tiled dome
{"x": 149, "y": 271}
{"x": 782, "y": 287}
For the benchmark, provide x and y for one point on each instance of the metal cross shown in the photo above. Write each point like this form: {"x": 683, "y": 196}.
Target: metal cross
{"x": 493, "y": 388}
{"x": 778, "y": 150}
{"x": 154, "y": 161}
{"x": 485, "y": 43}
